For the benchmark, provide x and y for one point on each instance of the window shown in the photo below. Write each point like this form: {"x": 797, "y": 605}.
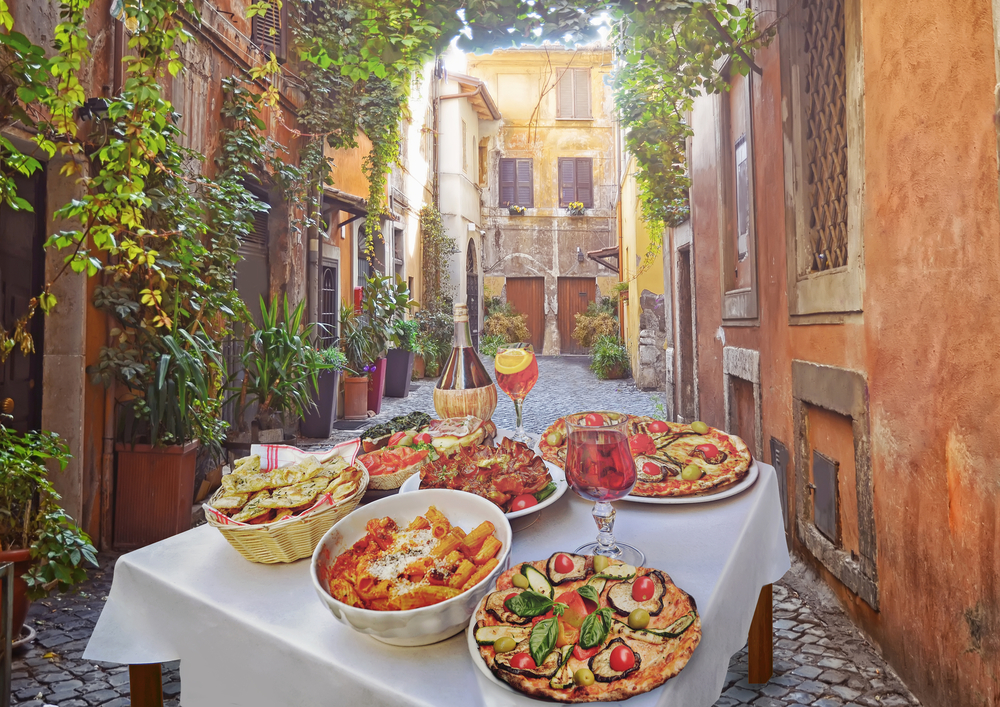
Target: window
{"x": 576, "y": 181}
{"x": 268, "y": 31}
{"x": 465, "y": 147}
{"x": 328, "y": 304}
{"x": 516, "y": 187}
{"x": 573, "y": 95}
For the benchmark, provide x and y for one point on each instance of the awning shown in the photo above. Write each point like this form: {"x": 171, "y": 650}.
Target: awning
{"x": 604, "y": 256}
{"x": 342, "y": 201}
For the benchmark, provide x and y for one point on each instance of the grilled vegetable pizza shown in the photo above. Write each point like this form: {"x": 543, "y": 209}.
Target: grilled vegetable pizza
{"x": 672, "y": 459}
{"x": 578, "y": 628}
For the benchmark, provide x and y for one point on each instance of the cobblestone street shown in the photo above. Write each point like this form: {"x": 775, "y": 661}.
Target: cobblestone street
{"x": 820, "y": 659}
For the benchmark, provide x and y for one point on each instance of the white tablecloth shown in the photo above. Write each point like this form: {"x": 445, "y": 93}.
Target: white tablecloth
{"x": 250, "y": 635}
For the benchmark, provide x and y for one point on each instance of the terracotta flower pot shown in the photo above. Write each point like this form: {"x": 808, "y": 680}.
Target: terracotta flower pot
{"x": 418, "y": 367}
{"x": 22, "y": 563}
{"x": 154, "y": 492}
{"x": 355, "y": 397}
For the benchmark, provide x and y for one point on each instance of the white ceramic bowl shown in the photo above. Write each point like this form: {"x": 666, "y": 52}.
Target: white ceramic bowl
{"x": 428, "y": 624}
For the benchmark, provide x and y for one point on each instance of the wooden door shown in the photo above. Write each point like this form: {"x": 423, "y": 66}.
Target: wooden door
{"x": 527, "y": 296}
{"x": 575, "y": 293}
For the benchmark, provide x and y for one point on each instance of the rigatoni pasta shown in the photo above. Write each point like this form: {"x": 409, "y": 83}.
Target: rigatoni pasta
{"x": 427, "y": 562}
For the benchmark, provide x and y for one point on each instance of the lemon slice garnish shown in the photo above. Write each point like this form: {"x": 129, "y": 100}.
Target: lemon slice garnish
{"x": 513, "y": 361}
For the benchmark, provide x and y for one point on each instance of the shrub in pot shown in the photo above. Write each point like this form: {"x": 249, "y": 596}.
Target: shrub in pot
{"x": 49, "y": 551}
{"x": 609, "y": 358}
{"x": 318, "y": 421}
{"x": 434, "y": 339}
{"x": 399, "y": 363}
{"x": 383, "y": 302}
{"x": 358, "y": 348}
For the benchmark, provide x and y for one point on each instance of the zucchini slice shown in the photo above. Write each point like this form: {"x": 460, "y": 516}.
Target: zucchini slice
{"x": 563, "y": 679}
{"x": 487, "y": 635}
{"x": 620, "y": 596}
{"x": 600, "y": 664}
{"x": 579, "y": 570}
{"x": 618, "y": 572}
{"x": 598, "y": 582}
{"x": 678, "y": 627}
{"x": 547, "y": 669}
{"x": 537, "y": 580}
{"x": 623, "y": 630}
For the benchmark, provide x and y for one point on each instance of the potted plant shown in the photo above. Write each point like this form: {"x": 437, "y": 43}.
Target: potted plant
{"x": 515, "y": 210}
{"x": 609, "y": 358}
{"x": 47, "y": 548}
{"x": 399, "y": 362}
{"x": 357, "y": 347}
{"x": 434, "y": 338}
{"x": 576, "y": 208}
{"x": 280, "y": 369}
{"x": 318, "y": 421}
{"x": 383, "y": 301}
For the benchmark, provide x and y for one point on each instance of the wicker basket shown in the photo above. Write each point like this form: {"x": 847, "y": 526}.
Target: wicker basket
{"x": 387, "y": 482}
{"x": 290, "y": 539}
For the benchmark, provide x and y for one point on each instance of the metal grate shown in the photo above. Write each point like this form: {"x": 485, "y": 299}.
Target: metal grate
{"x": 825, "y": 500}
{"x": 329, "y": 305}
{"x": 826, "y": 132}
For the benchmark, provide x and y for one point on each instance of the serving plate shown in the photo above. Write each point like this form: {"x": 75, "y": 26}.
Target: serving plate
{"x": 470, "y": 636}
{"x": 739, "y": 487}
{"x": 413, "y": 484}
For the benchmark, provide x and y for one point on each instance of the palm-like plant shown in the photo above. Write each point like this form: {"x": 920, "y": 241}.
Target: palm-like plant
{"x": 356, "y": 341}
{"x": 280, "y": 366}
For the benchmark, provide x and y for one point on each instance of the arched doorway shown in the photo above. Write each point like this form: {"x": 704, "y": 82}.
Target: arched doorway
{"x": 472, "y": 291}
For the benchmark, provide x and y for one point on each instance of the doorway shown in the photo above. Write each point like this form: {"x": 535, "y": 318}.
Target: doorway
{"x": 686, "y": 408}
{"x": 22, "y": 274}
{"x": 527, "y": 296}
{"x": 472, "y": 291}
{"x": 575, "y": 294}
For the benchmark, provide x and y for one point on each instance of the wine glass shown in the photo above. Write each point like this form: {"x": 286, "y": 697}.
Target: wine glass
{"x": 600, "y": 468}
{"x": 517, "y": 372}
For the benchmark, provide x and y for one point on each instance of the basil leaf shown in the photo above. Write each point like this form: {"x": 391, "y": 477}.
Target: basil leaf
{"x": 587, "y": 591}
{"x": 528, "y": 604}
{"x": 543, "y": 639}
{"x": 550, "y": 488}
{"x": 594, "y": 628}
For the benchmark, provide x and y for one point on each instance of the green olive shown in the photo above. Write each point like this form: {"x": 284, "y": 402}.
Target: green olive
{"x": 583, "y": 677}
{"x": 638, "y": 619}
{"x": 520, "y": 580}
{"x": 699, "y": 427}
{"x": 554, "y": 438}
{"x": 504, "y": 644}
{"x": 601, "y": 563}
{"x": 692, "y": 472}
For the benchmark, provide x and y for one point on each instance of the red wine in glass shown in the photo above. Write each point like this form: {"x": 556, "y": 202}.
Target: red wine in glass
{"x": 600, "y": 468}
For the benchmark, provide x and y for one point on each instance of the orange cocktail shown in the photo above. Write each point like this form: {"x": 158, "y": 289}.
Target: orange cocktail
{"x": 517, "y": 373}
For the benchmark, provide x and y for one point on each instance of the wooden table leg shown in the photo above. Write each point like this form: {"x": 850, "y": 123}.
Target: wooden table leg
{"x": 760, "y": 643}
{"x": 146, "y": 685}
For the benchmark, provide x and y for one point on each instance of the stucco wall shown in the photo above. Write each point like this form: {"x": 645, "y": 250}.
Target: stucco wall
{"x": 926, "y": 341}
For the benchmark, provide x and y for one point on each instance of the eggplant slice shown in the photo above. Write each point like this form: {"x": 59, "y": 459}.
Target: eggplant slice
{"x": 600, "y": 664}
{"x": 547, "y": 669}
{"x": 494, "y": 605}
{"x": 579, "y": 570}
{"x": 620, "y": 596}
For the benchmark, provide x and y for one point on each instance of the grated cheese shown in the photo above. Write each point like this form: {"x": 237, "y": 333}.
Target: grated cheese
{"x": 409, "y": 546}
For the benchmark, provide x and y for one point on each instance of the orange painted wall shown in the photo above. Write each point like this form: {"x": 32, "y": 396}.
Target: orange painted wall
{"x": 347, "y": 176}
{"x": 927, "y": 341}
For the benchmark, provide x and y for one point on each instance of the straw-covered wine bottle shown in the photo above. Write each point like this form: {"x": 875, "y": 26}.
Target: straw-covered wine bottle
{"x": 465, "y": 388}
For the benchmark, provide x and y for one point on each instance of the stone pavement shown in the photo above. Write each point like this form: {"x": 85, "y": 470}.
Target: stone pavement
{"x": 820, "y": 659}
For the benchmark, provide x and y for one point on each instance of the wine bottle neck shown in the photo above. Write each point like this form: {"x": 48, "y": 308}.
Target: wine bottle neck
{"x": 463, "y": 335}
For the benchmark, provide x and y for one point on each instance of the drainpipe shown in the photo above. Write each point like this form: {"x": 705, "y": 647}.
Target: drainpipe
{"x": 312, "y": 265}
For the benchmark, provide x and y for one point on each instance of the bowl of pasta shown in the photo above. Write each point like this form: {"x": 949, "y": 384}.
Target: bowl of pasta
{"x": 411, "y": 569}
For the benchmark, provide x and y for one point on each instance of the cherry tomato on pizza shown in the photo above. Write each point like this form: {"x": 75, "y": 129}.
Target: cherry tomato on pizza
{"x": 643, "y": 589}
{"x": 594, "y": 419}
{"x": 657, "y": 426}
{"x": 642, "y": 444}
{"x": 523, "y": 661}
{"x": 651, "y": 469}
{"x": 622, "y": 659}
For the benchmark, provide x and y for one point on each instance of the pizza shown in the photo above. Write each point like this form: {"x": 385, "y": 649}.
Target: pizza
{"x": 578, "y": 628}
{"x": 672, "y": 459}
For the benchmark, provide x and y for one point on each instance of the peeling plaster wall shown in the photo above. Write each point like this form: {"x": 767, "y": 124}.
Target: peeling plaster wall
{"x": 926, "y": 345}
{"x": 544, "y": 242}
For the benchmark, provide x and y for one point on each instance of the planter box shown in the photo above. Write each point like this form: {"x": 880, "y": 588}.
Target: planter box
{"x": 355, "y": 398}
{"x": 418, "y": 367}
{"x": 398, "y": 371}
{"x": 376, "y": 387}
{"x": 318, "y": 422}
{"x": 154, "y": 490}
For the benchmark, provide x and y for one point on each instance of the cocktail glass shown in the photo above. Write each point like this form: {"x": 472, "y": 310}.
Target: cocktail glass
{"x": 517, "y": 372}
{"x": 600, "y": 468}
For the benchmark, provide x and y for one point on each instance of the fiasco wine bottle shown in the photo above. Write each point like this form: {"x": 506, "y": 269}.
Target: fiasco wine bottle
{"x": 465, "y": 388}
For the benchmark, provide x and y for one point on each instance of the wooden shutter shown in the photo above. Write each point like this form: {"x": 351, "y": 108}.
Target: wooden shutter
{"x": 585, "y": 181}
{"x": 567, "y": 180}
{"x": 525, "y": 185}
{"x": 508, "y": 181}
{"x": 564, "y": 94}
{"x": 581, "y": 94}
{"x": 269, "y": 31}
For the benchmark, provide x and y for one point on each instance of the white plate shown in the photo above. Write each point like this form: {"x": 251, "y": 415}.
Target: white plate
{"x": 742, "y": 486}
{"x": 478, "y": 659}
{"x": 413, "y": 483}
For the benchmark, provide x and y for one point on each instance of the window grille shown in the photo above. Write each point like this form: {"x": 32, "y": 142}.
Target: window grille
{"x": 268, "y": 31}
{"x": 328, "y": 330}
{"x": 516, "y": 182}
{"x": 826, "y": 132}
{"x": 576, "y": 181}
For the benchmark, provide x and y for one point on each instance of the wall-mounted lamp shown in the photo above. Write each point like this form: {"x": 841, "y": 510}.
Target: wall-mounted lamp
{"x": 579, "y": 254}
{"x": 93, "y": 108}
